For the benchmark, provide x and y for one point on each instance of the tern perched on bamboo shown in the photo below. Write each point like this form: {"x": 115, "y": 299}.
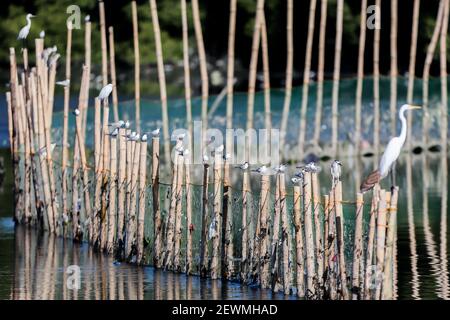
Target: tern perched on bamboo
{"x": 87, "y": 18}
{"x": 280, "y": 169}
{"x": 118, "y": 124}
{"x": 144, "y": 137}
{"x": 105, "y": 92}
{"x": 261, "y": 170}
{"x": 114, "y": 133}
{"x": 64, "y": 83}
{"x": 312, "y": 167}
{"x": 23, "y": 33}
{"x": 76, "y": 112}
{"x": 243, "y": 166}
{"x": 336, "y": 171}
{"x": 205, "y": 158}
{"x": 42, "y": 34}
{"x": 391, "y": 153}
{"x": 155, "y": 132}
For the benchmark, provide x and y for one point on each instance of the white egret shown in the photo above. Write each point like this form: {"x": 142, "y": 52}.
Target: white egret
{"x": 391, "y": 153}
{"x": 243, "y": 166}
{"x": 23, "y": 33}
{"x": 336, "y": 171}
{"x": 42, "y": 34}
{"x": 105, "y": 92}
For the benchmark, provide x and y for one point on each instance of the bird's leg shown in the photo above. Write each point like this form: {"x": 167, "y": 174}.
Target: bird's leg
{"x": 393, "y": 175}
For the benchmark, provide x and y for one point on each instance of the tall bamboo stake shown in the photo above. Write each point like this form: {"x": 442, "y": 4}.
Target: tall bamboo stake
{"x": 178, "y": 213}
{"x": 217, "y": 219}
{"x": 227, "y": 246}
{"x": 265, "y": 60}
{"x": 370, "y": 244}
{"x": 443, "y": 74}
{"x": 388, "y": 281}
{"x": 264, "y": 232}
{"x": 412, "y": 66}
{"x": 300, "y": 267}
{"x": 189, "y": 222}
{"x": 230, "y": 75}
{"x": 317, "y": 224}
{"x": 187, "y": 75}
{"x": 380, "y": 241}
{"x": 121, "y": 185}
{"x": 320, "y": 72}
{"x": 101, "y": 9}
{"x": 376, "y": 79}
{"x": 112, "y": 197}
{"x": 360, "y": 77}
{"x": 275, "y": 254}
{"x": 203, "y": 66}
{"x": 171, "y": 219}
{"x": 358, "y": 247}
{"x": 306, "y": 78}
{"x": 340, "y": 239}
{"x": 309, "y": 237}
{"x": 204, "y": 236}
{"x": 161, "y": 79}
{"x": 394, "y": 68}
{"x": 336, "y": 76}
{"x": 285, "y": 235}
{"x": 137, "y": 65}
{"x": 98, "y": 170}
{"x": 157, "y": 231}
{"x": 87, "y": 63}
{"x": 245, "y": 226}
{"x": 426, "y": 72}
{"x": 142, "y": 198}
{"x": 112, "y": 66}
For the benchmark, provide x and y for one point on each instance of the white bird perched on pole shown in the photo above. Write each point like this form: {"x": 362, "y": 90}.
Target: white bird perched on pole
{"x": 131, "y": 135}
{"x": 64, "y": 83}
{"x": 280, "y": 169}
{"x": 219, "y": 149}
{"x": 312, "y": 167}
{"x": 118, "y": 124}
{"x": 23, "y": 33}
{"x": 296, "y": 180}
{"x": 105, "y": 92}
{"x": 243, "y": 166}
{"x": 205, "y": 158}
{"x": 134, "y": 137}
{"x": 114, "y": 133}
{"x": 42, "y": 34}
{"x": 336, "y": 171}
{"x": 155, "y": 132}
{"x": 76, "y": 112}
{"x": 53, "y": 59}
{"x": 126, "y": 125}
{"x": 261, "y": 170}
{"x": 87, "y": 18}
{"x": 144, "y": 137}
{"x": 391, "y": 153}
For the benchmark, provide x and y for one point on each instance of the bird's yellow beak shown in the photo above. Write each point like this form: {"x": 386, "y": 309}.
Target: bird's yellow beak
{"x": 413, "y": 107}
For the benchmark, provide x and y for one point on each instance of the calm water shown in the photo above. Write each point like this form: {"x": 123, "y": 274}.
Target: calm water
{"x": 32, "y": 265}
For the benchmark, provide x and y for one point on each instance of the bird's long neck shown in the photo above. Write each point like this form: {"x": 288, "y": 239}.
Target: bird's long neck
{"x": 28, "y": 21}
{"x": 404, "y": 127}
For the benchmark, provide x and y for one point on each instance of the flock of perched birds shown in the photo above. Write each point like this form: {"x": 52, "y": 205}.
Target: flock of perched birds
{"x": 390, "y": 155}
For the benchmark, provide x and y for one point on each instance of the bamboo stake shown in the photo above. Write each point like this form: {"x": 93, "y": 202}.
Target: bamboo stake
{"x": 98, "y": 170}
{"x": 142, "y": 197}
{"x": 358, "y": 247}
{"x": 332, "y": 254}
{"x": 189, "y": 221}
{"x": 131, "y": 223}
{"x": 426, "y": 72}
{"x": 326, "y": 238}
{"x": 227, "y": 224}
{"x": 101, "y": 9}
{"x": 376, "y": 79}
{"x": 443, "y": 74}
{"x": 171, "y": 220}
{"x": 264, "y": 233}
{"x": 178, "y": 213}
{"x": 370, "y": 244}
{"x": 265, "y": 60}
{"x": 104, "y": 189}
{"x": 230, "y": 75}
{"x": 87, "y": 63}
{"x": 412, "y": 67}
{"x": 187, "y": 75}
{"x": 285, "y": 235}
{"x": 317, "y": 224}
{"x": 112, "y": 197}
{"x": 320, "y": 72}
{"x": 137, "y": 65}
{"x": 394, "y": 68}
{"x": 311, "y": 275}
{"x": 161, "y": 79}
{"x": 336, "y": 76}
{"x": 380, "y": 241}
{"x": 245, "y": 226}
{"x": 217, "y": 220}
{"x": 275, "y": 259}
{"x": 112, "y": 66}
{"x": 65, "y": 149}
{"x": 129, "y": 169}
{"x": 306, "y": 78}
{"x": 203, "y": 65}
{"x": 341, "y": 240}
{"x": 157, "y": 232}
{"x": 204, "y": 236}
{"x": 121, "y": 184}
{"x": 300, "y": 270}
{"x": 388, "y": 281}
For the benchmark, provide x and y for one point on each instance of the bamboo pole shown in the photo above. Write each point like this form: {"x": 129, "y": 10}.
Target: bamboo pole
{"x": 129, "y": 169}
{"x": 317, "y": 225}
{"x": 217, "y": 214}
{"x": 412, "y": 67}
{"x": 320, "y": 72}
{"x": 426, "y": 72}
{"x": 376, "y": 79}
{"x": 98, "y": 170}
{"x": 171, "y": 220}
{"x": 101, "y": 9}
{"x": 112, "y": 197}
{"x": 187, "y": 75}
{"x": 178, "y": 213}
{"x": 300, "y": 269}
{"x": 137, "y": 65}
{"x": 204, "y": 252}
{"x": 131, "y": 223}
{"x": 227, "y": 248}
{"x": 157, "y": 231}
{"x": 87, "y": 63}
{"x": 336, "y": 76}
{"x": 311, "y": 275}
{"x": 380, "y": 242}
{"x": 285, "y": 235}
{"x": 161, "y": 79}
{"x": 443, "y": 75}
{"x": 306, "y": 78}
{"x": 142, "y": 198}
{"x": 189, "y": 222}
{"x": 388, "y": 280}
{"x": 370, "y": 245}
{"x": 203, "y": 66}
{"x": 394, "y": 68}
{"x": 266, "y": 76}
{"x": 264, "y": 232}
{"x": 112, "y": 66}
{"x": 245, "y": 226}
{"x": 121, "y": 185}
{"x": 230, "y": 75}
{"x": 326, "y": 238}
{"x": 275, "y": 247}
{"x": 340, "y": 239}
{"x": 358, "y": 247}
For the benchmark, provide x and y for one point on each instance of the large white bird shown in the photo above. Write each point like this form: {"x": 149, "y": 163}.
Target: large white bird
{"x": 336, "y": 171}
{"x": 23, "y": 33}
{"x": 105, "y": 92}
{"x": 391, "y": 153}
